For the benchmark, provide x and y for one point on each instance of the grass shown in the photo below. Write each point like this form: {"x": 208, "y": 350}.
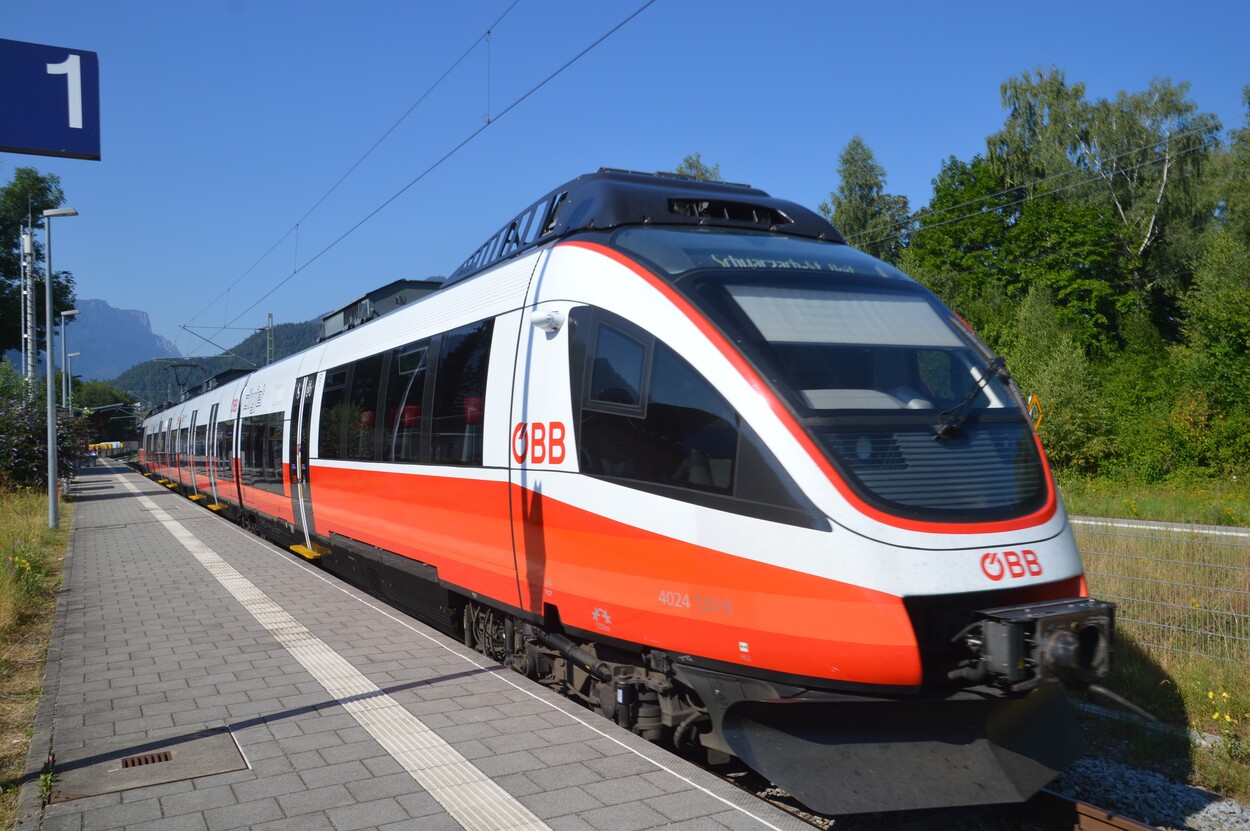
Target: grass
{"x": 31, "y": 558}
{"x": 1208, "y": 502}
{"x": 1183, "y": 641}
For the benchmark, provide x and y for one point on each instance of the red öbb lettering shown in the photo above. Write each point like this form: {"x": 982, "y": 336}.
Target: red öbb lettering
{"x": 1014, "y": 564}
{"x": 538, "y": 442}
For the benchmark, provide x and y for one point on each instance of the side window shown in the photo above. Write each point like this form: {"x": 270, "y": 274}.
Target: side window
{"x": 645, "y": 418}
{"x": 261, "y": 446}
{"x": 225, "y": 446}
{"x": 405, "y": 393}
{"x": 616, "y": 371}
{"x": 648, "y": 416}
{"x": 460, "y": 395}
{"x": 200, "y": 451}
{"x": 333, "y": 400}
{"x": 362, "y": 416}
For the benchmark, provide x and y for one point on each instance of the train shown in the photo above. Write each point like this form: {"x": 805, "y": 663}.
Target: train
{"x": 676, "y": 449}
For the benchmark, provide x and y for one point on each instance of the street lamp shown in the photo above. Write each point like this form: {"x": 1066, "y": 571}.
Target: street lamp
{"x": 69, "y": 376}
{"x": 54, "y": 519}
{"x": 64, "y": 385}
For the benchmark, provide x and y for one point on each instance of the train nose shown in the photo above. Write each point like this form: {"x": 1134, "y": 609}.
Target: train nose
{"x": 847, "y": 757}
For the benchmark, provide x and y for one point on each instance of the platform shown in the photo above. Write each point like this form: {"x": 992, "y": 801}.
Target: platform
{"x": 201, "y": 678}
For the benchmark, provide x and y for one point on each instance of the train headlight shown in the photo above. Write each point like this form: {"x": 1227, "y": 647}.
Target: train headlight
{"x": 1065, "y": 639}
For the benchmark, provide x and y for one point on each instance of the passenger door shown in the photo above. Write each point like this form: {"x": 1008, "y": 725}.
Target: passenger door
{"x": 300, "y": 433}
{"x": 210, "y": 452}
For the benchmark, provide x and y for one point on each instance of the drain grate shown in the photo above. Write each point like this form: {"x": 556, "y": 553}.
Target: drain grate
{"x": 147, "y": 759}
{"x": 119, "y": 766}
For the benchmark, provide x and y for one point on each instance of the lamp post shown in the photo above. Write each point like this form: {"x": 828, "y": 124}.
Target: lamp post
{"x": 54, "y": 519}
{"x": 64, "y": 385}
{"x": 69, "y": 377}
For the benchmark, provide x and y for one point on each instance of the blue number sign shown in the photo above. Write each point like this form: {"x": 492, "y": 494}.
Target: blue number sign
{"x": 51, "y": 100}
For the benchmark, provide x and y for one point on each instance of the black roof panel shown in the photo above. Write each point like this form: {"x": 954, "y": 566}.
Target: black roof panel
{"x": 613, "y": 198}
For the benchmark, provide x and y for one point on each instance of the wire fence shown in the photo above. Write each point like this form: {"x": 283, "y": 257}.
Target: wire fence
{"x": 1178, "y": 588}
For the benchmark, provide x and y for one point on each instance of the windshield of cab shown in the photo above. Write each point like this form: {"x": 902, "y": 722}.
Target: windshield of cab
{"x": 856, "y": 349}
{"x": 899, "y": 394}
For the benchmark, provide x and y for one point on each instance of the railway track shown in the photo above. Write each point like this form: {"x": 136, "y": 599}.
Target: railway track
{"x": 1081, "y": 816}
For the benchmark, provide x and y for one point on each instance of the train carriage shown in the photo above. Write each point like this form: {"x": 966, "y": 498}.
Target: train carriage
{"x": 676, "y": 449}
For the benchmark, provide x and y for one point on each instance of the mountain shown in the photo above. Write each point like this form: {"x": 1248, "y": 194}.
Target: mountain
{"x": 111, "y": 340}
{"x": 155, "y": 381}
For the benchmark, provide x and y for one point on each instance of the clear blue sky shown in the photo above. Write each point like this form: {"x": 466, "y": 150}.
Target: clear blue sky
{"x": 224, "y": 123}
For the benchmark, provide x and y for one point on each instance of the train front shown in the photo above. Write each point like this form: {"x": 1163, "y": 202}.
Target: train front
{"x": 943, "y": 511}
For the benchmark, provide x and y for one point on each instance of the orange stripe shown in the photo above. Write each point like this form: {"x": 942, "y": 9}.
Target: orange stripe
{"x": 639, "y": 586}
{"x": 460, "y": 526}
{"x": 788, "y": 419}
{"x": 647, "y": 588}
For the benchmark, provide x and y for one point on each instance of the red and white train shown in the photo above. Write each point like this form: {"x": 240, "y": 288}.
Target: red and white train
{"x": 677, "y": 449}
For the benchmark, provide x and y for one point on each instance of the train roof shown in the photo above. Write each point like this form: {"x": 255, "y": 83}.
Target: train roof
{"x": 612, "y": 198}
{"x": 381, "y": 301}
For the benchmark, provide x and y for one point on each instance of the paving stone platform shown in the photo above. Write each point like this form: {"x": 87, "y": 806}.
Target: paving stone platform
{"x": 324, "y": 708}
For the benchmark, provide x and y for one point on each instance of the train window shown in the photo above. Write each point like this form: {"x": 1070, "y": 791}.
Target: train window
{"x": 261, "y": 444}
{"x": 200, "y": 450}
{"x": 666, "y": 427}
{"x": 616, "y": 373}
{"x": 361, "y": 439}
{"x": 681, "y": 438}
{"x": 330, "y": 418}
{"x": 405, "y": 393}
{"x": 460, "y": 395}
{"x": 225, "y": 447}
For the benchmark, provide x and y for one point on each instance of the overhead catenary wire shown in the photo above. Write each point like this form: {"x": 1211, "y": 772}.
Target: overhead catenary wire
{"x": 294, "y": 229}
{"x": 455, "y": 149}
{"x": 1020, "y": 201}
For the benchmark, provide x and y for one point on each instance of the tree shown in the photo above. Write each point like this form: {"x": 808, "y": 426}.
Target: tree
{"x": 27, "y": 196}
{"x": 694, "y": 167}
{"x": 1045, "y": 358}
{"x": 957, "y": 243}
{"x": 869, "y": 218}
{"x": 1139, "y": 157}
{"x": 1234, "y": 183}
{"x": 24, "y": 435}
{"x": 108, "y": 411}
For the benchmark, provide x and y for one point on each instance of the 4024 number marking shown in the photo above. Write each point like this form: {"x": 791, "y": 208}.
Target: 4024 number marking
{"x": 698, "y": 602}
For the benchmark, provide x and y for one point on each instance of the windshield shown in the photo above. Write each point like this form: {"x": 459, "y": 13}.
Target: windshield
{"x": 850, "y": 348}
{"x": 912, "y": 409}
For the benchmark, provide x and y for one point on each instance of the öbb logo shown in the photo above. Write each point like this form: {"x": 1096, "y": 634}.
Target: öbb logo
{"x": 996, "y": 566}
{"x": 538, "y": 442}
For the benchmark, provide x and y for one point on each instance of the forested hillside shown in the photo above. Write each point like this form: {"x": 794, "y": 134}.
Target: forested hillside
{"x": 1103, "y": 247}
{"x": 153, "y": 382}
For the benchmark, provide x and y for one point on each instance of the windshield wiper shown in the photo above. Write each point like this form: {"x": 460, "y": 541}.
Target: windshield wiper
{"x": 949, "y": 421}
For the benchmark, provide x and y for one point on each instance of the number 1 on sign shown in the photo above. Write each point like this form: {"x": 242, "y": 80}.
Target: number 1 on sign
{"x": 73, "y": 82}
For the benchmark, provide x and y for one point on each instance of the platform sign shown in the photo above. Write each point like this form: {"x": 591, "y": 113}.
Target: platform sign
{"x": 49, "y": 100}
